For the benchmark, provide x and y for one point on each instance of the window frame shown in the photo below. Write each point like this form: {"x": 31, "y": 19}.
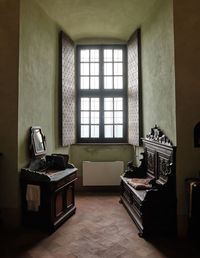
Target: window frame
{"x": 101, "y": 93}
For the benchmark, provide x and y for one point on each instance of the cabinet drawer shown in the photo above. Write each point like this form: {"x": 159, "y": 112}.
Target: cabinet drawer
{"x": 70, "y": 178}
{"x": 61, "y": 183}
{"x": 65, "y": 180}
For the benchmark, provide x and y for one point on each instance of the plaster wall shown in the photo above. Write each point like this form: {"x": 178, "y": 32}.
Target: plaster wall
{"x": 93, "y": 19}
{"x": 158, "y": 81}
{"x": 38, "y": 90}
{"x": 9, "y": 49}
{"x": 158, "y": 86}
{"x": 187, "y": 55}
{"x": 38, "y": 79}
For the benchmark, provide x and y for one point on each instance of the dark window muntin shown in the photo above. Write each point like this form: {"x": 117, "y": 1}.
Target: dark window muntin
{"x": 101, "y": 93}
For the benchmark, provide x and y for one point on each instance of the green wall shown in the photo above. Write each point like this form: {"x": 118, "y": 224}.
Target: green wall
{"x": 158, "y": 87}
{"x": 38, "y": 78}
{"x": 38, "y": 81}
{"x": 87, "y": 20}
{"x": 9, "y": 64}
{"x": 158, "y": 82}
{"x": 38, "y": 89}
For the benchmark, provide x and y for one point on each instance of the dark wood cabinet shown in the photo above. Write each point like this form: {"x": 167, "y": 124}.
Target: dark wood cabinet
{"x": 57, "y": 199}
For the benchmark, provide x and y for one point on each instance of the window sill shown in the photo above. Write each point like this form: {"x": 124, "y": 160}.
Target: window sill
{"x": 101, "y": 144}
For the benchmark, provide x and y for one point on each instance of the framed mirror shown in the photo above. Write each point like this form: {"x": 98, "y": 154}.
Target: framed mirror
{"x": 38, "y": 142}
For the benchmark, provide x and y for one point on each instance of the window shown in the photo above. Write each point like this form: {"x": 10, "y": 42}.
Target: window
{"x": 101, "y": 86}
{"x": 101, "y": 94}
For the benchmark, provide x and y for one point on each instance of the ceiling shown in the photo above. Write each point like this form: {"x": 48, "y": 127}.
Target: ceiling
{"x": 98, "y": 19}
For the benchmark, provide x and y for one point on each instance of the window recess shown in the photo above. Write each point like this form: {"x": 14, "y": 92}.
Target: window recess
{"x": 101, "y": 78}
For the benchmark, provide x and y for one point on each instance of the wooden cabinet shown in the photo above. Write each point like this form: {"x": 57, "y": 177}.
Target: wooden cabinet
{"x": 57, "y": 201}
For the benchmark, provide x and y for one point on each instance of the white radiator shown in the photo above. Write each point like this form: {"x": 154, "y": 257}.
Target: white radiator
{"x": 102, "y": 173}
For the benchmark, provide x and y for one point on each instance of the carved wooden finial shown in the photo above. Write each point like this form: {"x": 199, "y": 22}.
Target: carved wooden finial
{"x": 157, "y": 135}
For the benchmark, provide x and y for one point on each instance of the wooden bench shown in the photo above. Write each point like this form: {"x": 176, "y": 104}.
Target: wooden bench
{"x": 153, "y": 210}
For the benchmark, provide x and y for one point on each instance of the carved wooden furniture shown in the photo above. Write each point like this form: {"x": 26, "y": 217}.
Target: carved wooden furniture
{"x": 57, "y": 201}
{"x": 47, "y": 186}
{"x": 153, "y": 210}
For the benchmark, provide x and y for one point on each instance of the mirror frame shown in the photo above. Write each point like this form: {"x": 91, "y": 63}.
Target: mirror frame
{"x": 37, "y": 153}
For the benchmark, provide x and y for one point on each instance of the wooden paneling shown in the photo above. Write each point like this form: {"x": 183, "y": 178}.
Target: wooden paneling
{"x": 59, "y": 203}
{"x": 69, "y": 196}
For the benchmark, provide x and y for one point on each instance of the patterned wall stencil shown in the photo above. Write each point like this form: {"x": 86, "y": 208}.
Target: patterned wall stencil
{"x": 67, "y": 90}
{"x": 134, "y": 90}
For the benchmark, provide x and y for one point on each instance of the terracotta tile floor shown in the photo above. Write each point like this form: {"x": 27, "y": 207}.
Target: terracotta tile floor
{"x": 101, "y": 227}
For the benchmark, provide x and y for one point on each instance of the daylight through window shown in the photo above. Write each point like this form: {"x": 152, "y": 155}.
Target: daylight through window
{"x": 101, "y": 94}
